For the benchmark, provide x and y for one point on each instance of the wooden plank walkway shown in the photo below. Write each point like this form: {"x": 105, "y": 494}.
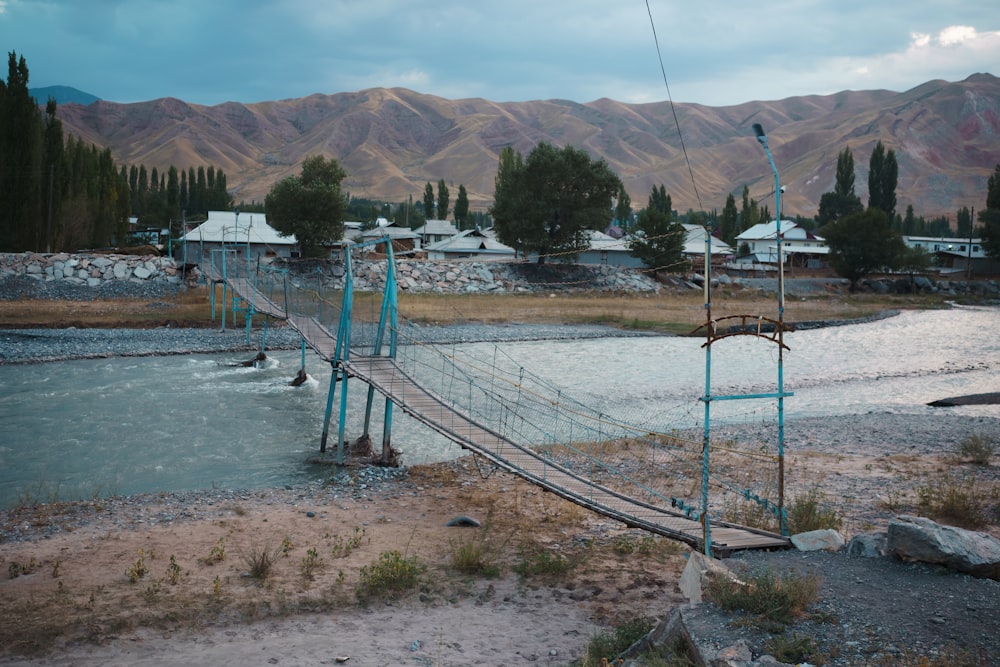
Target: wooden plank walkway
{"x": 316, "y": 335}
{"x": 387, "y": 378}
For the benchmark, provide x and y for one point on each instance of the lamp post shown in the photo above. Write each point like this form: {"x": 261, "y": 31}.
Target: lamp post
{"x": 762, "y": 138}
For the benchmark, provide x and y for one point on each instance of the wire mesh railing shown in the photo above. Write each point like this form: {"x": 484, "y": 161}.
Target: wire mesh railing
{"x": 655, "y": 457}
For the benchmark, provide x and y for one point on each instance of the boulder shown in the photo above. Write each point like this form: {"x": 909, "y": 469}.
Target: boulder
{"x": 697, "y": 571}
{"x": 868, "y": 545}
{"x": 825, "y": 539}
{"x": 920, "y": 539}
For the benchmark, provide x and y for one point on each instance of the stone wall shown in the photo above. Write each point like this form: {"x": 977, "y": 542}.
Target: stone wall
{"x": 477, "y": 276}
{"x": 90, "y": 270}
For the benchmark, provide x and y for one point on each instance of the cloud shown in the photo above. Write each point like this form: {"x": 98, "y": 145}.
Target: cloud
{"x": 719, "y": 52}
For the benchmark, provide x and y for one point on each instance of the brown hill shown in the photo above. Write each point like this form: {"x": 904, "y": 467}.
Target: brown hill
{"x": 394, "y": 141}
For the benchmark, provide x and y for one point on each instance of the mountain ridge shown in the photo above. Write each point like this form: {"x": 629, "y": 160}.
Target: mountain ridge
{"x": 392, "y": 141}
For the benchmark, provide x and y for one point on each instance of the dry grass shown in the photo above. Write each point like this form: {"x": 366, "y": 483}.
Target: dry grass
{"x": 189, "y": 309}
{"x": 669, "y": 312}
{"x": 78, "y": 588}
{"x": 679, "y": 312}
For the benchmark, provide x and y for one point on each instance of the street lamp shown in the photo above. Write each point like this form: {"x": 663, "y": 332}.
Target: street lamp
{"x": 758, "y": 131}
{"x": 762, "y": 138}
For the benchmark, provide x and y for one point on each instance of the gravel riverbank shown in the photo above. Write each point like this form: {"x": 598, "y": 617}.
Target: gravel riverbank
{"x": 19, "y": 346}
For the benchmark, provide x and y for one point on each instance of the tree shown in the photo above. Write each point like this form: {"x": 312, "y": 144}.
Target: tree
{"x": 990, "y": 216}
{"x": 842, "y": 201}
{"x": 546, "y": 203}
{"x": 310, "y": 206}
{"x": 429, "y": 202}
{"x": 660, "y": 201}
{"x": 729, "y": 221}
{"x": 863, "y": 243}
{"x": 658, "y": 241}
{"x": 461, "y": 211}
{"x": 21, "y": 162}
{"x": 442, "y": 200}
{"x": 623, "y": 208}
{"x": 882, "y": 175}
{"x": 913, "y": 261}
{"x": 749, "y": 214}
{"x": 963, "y": 222}
{"x": 844, "y": 186}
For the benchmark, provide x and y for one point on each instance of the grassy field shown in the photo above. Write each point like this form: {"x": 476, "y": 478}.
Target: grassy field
{"x": 669, "y": 312}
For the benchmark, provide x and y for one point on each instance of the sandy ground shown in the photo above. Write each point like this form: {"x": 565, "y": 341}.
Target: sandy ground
{"x": 163, "y": 579}
{"x": 77, "y": 606}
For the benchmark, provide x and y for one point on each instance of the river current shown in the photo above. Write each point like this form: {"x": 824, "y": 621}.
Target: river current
{"x": 80, "y": 429}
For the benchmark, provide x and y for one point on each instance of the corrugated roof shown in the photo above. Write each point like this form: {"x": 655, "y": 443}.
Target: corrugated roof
{"x": 227, "y": 227}
{"x": 471, "y": 240}
{"x": 437, "y": 228}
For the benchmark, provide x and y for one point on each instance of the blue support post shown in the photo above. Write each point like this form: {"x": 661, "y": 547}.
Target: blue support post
{"x": 707, "y": 398}
{"x": 762, "y": 138}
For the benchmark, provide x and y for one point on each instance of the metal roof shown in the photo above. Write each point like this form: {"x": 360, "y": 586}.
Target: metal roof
{"x": 228, "y": 227}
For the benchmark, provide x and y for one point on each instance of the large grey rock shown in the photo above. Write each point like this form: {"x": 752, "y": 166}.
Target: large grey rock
{"x": 825, "y": 539}
{"x": 692, "y": 625}
{"x": 868, "y": 545}
{"x": 920, "y": 539}
{"x": 698, "y": 569}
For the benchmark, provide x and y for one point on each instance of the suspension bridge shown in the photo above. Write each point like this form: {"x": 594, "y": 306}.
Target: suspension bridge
{"x": 640, "y": 473}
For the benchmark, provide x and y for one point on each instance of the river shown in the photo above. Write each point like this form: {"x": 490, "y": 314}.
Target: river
{"x": 88, "y": 428}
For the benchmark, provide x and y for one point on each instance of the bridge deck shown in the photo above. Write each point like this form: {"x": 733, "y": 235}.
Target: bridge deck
{"x": 317, "y": 336}
{"x": 387, "y": 378}
{"x": 423, "y": 405}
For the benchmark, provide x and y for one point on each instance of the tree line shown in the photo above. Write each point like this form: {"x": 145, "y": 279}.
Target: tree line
{"x": 59, "y": 193}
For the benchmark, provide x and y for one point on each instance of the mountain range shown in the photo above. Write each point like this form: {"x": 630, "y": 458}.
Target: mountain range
{"x": 392, "y": 142}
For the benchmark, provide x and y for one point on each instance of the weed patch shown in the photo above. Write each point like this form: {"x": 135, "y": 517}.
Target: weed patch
{"x": 977, "y": 449}
{"x": 809, "y": 512}
{"x": 392, "y": 574}
{"x": 958, "y": 500}
{"x": 260, "y": 559}
{"x": 771, "y": 600}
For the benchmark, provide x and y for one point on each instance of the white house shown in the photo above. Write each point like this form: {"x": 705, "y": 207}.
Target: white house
{"x": 694, "y": 244}
{"x": 434, "y": 231}
{"x": 954, "y": 255}
{"x": 469, "y": 244}
{"x": 246, "y": 234}
{"x": 605, "y": 249}
{"x": 799, "y": 245}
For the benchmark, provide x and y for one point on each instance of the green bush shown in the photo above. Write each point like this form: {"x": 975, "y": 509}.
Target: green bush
{"x": 391, "y": 574}
{"x": 807, "y": 512}
{"x": 545, "y": 562}
{"x": 608, "y": 644}
{"x": 978, "y": 449}
{"x": 954, "y": 499}
{"x": 772, "y": 600}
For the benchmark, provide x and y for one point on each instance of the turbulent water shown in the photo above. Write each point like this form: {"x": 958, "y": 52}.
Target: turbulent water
{"x": 78, "y": 429}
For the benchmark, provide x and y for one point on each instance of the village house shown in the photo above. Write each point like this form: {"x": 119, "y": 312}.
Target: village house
{"x": 247, "y": 235}
{"x": 758, "y": 246}
{"x": 470, "y": 244}
{"x": 955, "y": 256}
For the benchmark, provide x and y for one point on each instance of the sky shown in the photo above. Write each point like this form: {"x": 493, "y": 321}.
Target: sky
{"x": 714, "y": 52}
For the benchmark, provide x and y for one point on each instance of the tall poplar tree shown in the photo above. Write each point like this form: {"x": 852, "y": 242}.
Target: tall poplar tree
{"x": 882, "y": 175}
{"x": 990, "y": 216}
{"x": 842, "y": 201}
{"x": 461, "y": 211}
{"x": 443, "y": 200}
{"x": 429, "y": 202}
{"x": 20, "y": 161}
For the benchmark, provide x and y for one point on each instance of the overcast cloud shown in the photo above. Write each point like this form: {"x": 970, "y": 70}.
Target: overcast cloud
{"x": 715, "y": 52}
